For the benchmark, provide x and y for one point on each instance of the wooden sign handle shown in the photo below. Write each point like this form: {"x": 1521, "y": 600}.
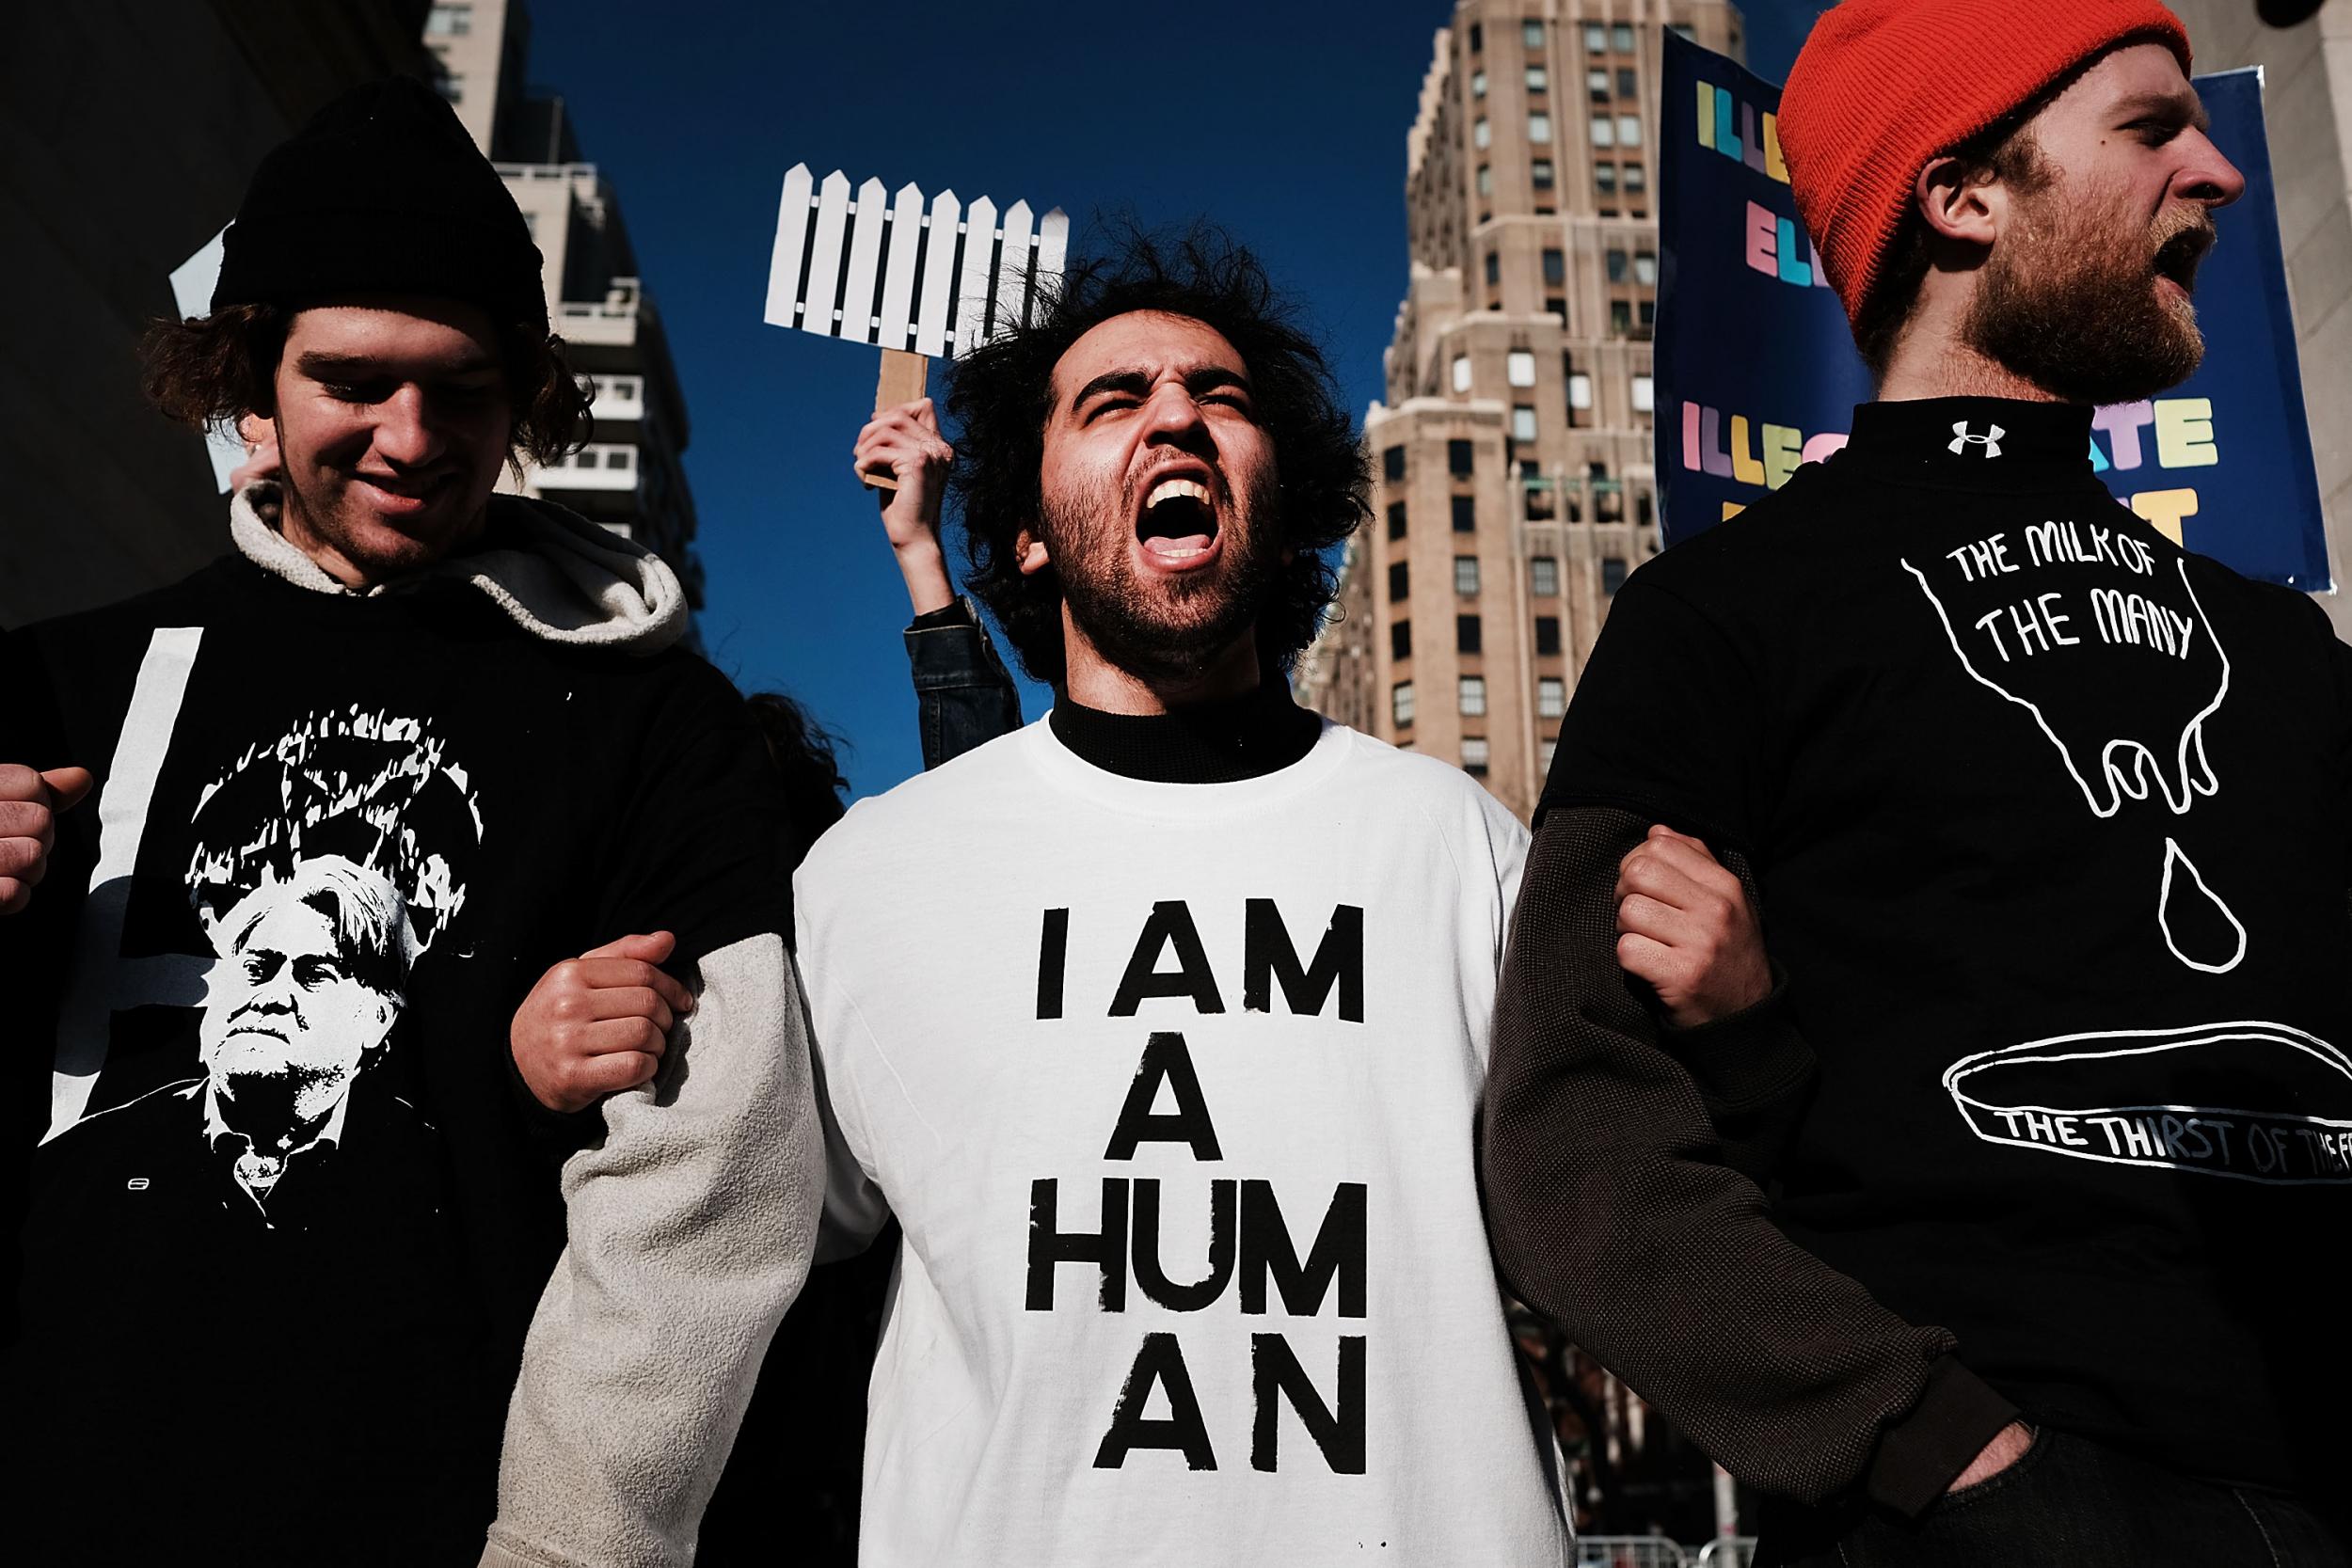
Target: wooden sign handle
{"x": 903, "y": 375}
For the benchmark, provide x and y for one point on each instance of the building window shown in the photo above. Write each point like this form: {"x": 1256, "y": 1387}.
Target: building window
{"x": 1465, "y": 515}
{"x": 1555, "y": 267}
{"x": 1478, "y": 38}
{"x": 1458, "y": 457}
{"x": 1546, "y": 634}
{"x": 1683, "y": 30}
{"x": 1617, "y": 260}
{"x": 451, "y": 86}
{"x": 1393, "y": 464}
{"x": 621, "y": 457}
{"x": 1466, "y": 574}
{"x": 1473, "y": 697}
{"x": 1604, "y": 131}
{"x": 1645, "y": 394}
{"x": 1478, "y": 83}
{"x": 1461, "y": 372}
{"x": 445, "y": 22}
{"x": 1595, "y": 39}
{"x": 1522, "y": 421}
{"x": 1543, "y": 577}
{"x": 1580, "y": 392}
{"x": 1400, "y": 582}
{"x": 1474, "y": 755}
{"x": 1620, "y": 316}
{"x": 1558, "y": 308}
{"x": 1629, "y": 130}
{"x": 1466, "y": 639}
{"x": 1539, "y": 130}
{"x": 1532, "y": 33}
{"x": 1494, "y": 266}
{"x": 1621, "y": 37}
{"x": 1605, "y": 181}
{"x": 1544, "y": 755}
{"x": 1597, "y": 83}
{"x": 1401, "y": 703}
{"x": 1538, "y": 79}
{"x": 1636, "y": 177}
{"x": 1486, "y": 181}
{"x": 1396, "y": 519}
{"x": 1626, "y": 85}
{"x": 1519, "y": 368}
{"x": 1539, "y": 170}
{"x": 1611, "y": 574}
{"x": 1481, "y": 134}
{"x": 1647, "y": 312}
{"x": 1645, "y": 267}
{"x": 1551, "y": 697}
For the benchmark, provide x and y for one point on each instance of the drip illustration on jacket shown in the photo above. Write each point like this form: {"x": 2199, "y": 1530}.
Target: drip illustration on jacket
{"x": 2121, "y": 681}
{"x": 2063, "y": 653}
{"x": 324, "y": 863}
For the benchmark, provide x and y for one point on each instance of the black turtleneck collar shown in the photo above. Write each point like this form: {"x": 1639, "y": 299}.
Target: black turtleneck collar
{"x": 1223, "y": 742}
{"x": 1975, "y": 443}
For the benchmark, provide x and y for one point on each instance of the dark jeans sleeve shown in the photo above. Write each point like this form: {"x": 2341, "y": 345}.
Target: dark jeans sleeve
{"x": 1614, "y": 1213}
{"x": 964, "y": 696}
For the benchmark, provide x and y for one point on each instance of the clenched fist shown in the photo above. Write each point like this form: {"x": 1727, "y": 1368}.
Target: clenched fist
{"x": 1684, "y": 926}
{"x": 30, "y": 804}
{"x": 599, "y": 1024}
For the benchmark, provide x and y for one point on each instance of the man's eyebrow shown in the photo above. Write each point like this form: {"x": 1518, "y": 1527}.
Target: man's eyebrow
{"x": 323, "y": 366}
{"x": 1207, "y": 378}
{"x": 2185, "y": 107}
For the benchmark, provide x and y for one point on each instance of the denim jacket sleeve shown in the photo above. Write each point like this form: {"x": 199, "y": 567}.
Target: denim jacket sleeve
{"x": 964, "y": 696}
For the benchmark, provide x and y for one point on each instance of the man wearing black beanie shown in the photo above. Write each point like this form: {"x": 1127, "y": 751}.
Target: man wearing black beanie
{"x": 297, "y": 1248}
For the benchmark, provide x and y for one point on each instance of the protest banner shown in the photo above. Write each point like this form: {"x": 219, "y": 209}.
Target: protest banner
{"x": 1758, "y": 374}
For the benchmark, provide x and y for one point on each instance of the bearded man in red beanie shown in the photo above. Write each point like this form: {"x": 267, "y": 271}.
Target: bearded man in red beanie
{"x": 2047, "y": 823}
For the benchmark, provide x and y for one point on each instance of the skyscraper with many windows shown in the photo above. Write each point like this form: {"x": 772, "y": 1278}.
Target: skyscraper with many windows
{"x": 1513, "y": 466}
{"x": 630, "y": 477}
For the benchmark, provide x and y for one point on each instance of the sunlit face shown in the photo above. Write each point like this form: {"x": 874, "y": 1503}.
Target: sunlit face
{"x": 2087, "y": 290}
{"x": 1159, "y": 494}
{"x": 393, "y": 421}
{"x": 286, "y": 1019}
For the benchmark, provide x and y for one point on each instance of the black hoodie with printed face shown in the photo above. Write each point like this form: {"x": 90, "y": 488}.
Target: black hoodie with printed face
{"x": 287, "y": 1220}
{"x": 2050, "y": 824}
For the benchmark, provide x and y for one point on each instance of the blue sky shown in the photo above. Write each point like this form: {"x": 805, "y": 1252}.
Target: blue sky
{"x": 1283, "y": 121}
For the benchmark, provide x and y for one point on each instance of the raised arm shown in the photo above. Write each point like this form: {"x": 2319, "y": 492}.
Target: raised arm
{"x": 964, "y": 695}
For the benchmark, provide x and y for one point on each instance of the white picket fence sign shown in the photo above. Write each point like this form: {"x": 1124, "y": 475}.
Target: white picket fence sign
{"x": 875, "y": 268}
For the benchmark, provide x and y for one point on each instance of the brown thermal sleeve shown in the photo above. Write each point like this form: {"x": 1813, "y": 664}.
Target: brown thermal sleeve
{"x": 1613, "y": 1212}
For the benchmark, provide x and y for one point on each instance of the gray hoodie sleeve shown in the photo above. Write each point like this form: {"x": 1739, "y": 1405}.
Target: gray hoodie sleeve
{"x": 691, "y": 1227}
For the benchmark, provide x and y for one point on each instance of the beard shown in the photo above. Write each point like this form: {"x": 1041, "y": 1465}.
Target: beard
{"x": 1174, "y": 630}
{"x": 2072, "y": 303}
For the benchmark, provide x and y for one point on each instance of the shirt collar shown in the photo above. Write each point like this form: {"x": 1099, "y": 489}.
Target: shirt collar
{"x": 217, "y": 1130}
{"x": 1975, "y": 443}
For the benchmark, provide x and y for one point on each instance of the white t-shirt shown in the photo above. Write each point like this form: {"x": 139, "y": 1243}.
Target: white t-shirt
{"x": 1241, "y": 1028}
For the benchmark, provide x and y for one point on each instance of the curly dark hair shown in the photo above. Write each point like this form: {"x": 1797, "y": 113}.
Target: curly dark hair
{"x": 1000, "y": 397}
{"x": 215, "y": 368}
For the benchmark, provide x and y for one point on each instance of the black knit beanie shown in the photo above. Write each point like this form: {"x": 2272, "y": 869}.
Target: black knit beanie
{"x": 383, "y": 192}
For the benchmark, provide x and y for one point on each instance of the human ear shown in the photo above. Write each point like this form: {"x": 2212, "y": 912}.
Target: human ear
{"x": 1029, "y": 553}
{"x": 1960, "y": 203}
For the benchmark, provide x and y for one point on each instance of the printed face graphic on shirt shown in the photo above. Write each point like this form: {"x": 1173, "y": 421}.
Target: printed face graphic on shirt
{"x": 305, "y": 993}
{"x": 321, "y": 864}
{"x": 2101, "y": 643}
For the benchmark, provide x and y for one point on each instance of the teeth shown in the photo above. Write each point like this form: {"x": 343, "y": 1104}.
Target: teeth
{"x": 1167, "y": 489}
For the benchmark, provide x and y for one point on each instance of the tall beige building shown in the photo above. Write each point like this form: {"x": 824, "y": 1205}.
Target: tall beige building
{"x": 2307, "y": 110}
{"x": 1513, "y": 458}
{"x": 630, "y": 477}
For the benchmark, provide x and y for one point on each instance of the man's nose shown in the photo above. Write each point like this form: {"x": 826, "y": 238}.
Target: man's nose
{"x": 2209, "y": 178}
{"x": 405, "y": 429}
{"x": 1170, "y": 415}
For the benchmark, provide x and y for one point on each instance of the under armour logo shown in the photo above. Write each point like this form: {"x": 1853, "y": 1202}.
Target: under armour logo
{"x": 1961, "y": 440}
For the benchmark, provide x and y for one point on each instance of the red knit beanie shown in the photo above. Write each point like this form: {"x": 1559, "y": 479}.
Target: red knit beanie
{"x": 1883, "y": 86}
